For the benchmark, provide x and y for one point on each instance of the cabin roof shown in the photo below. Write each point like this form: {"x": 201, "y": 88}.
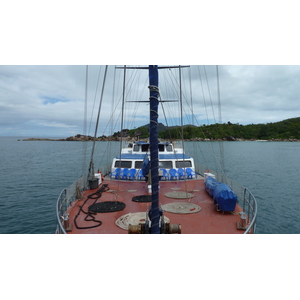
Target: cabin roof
{"x": 161, "y": 156}
{"x": 160, "y": 143}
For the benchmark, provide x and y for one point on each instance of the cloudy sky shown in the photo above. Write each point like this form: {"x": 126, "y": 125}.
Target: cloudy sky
{"x": 44, "y": 52}
{"x": 39, "y": 100}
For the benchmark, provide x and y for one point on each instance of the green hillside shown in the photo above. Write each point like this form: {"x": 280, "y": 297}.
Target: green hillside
{"x": 283, "y": 130}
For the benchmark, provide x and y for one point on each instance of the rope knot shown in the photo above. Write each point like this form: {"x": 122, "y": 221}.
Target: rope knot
{"x": 153, "y": 88}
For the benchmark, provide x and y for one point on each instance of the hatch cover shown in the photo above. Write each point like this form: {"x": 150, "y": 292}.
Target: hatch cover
{"x": 107, "y": 206}
{"x": 142, "y": 198}
{"x": 134, "y": 219}
{"x": 179, "y": 195}
{"x": 181, "y": 208}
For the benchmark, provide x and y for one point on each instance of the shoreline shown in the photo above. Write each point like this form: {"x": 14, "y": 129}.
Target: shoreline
{"x": 90, "y": 139}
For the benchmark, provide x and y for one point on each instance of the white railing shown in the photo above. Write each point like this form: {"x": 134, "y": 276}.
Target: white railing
{"x": 70, "y": 194}
{"x": 61, "y": 202}
{"x": 66, "y": 197}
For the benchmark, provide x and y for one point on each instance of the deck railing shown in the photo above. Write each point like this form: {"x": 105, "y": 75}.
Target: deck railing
{"x": 70, "y": 194}
{"x": 66, "y": 197}
{"x": 61, "y": 202}
{"x": 246, "y": 199}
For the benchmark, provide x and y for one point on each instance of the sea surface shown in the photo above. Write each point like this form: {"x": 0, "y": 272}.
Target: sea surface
{"x": 33, "y": 173}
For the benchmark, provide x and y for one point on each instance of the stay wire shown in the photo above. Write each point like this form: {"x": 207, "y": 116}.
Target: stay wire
{"x": 97, "y": 122}
{"x": 96, "y": 91}
{"x": 84, "y": 145}
{"x": 122, "y": 119}
{"x": 221, "y": 145}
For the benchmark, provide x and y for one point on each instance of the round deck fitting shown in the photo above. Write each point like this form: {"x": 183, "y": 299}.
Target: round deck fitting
{"x": 134, "y": 219}
{"x": 181, "y": 208}
{"x": 179, "y": 195}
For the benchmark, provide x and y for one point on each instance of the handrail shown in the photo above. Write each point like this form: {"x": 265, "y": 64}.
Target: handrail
{"x": 253, "y": 206}
{"x": 68, "y": 195}
{"x": 60, "y": 200}
{"x": 65, "y": 198}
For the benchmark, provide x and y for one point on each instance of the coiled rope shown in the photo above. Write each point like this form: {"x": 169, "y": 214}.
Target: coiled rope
{"x": 89, "y": 215}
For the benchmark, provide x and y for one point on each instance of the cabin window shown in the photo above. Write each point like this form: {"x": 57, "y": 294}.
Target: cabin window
{"x": 123, "y": 164}
{"x": 169, "y": 148}
{"x": 138, "y": 164}
{"x": 145, "y": 147}
{"x": 161, "y": 148}
{"x": 136, "y": 148}
{"x": 183, "y": 164}
{"x": 165, "y": 164}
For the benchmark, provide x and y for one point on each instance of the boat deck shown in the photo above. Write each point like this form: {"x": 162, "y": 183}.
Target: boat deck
{"x": 205, "y": 221}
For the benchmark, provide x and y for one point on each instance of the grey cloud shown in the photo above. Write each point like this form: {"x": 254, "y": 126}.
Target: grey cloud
{"x": 47, "y": 100}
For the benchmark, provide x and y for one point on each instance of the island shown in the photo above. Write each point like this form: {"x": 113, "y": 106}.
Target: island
{"x": 284, "y": 131}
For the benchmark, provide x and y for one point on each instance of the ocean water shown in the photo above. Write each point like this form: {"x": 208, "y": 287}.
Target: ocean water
{"x": 33, "y": 173}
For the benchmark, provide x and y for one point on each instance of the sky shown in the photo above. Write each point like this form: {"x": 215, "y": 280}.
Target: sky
{"x": 44, "y": 52}
{"x": 48, "y": 100}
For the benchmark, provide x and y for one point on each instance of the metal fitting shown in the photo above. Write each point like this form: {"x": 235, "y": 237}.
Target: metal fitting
{"x": 173, "y": 228}
{"x": 66, "y": 222}
{"x": 136, "y": 229}
{"x": 242, "y": 225}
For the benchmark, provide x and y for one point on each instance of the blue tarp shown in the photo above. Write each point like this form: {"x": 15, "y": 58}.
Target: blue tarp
{"x": 221, "y": 193}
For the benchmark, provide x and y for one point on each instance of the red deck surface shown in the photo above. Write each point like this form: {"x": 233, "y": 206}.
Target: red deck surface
{"x": 206, "y": 221}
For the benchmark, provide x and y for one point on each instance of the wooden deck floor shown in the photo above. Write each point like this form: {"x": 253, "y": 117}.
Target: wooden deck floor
{"x": 206, "y": 221}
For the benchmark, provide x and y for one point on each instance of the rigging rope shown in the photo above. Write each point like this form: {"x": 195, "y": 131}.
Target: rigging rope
{"x": 222, "y": 158}
{"x": 181, "y": 118}
{"x": 91, "y": 169}
{"x": 122, "y": 120}
{"x": 84, "y": 145}
{"x": 96, "y": 91}
{"x": 194, "y": 120}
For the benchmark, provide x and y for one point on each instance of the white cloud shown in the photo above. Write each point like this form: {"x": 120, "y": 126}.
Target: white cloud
{"x": 55, "y": 124}
{"x": 49, "y": 100}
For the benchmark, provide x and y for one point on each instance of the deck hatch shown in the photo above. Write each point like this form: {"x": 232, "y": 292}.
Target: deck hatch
{"x": 142, "y": 198}
{"x": 107, "y": 206}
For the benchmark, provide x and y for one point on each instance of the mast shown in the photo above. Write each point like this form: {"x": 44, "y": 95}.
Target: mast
{"x": 154, "y": 213}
